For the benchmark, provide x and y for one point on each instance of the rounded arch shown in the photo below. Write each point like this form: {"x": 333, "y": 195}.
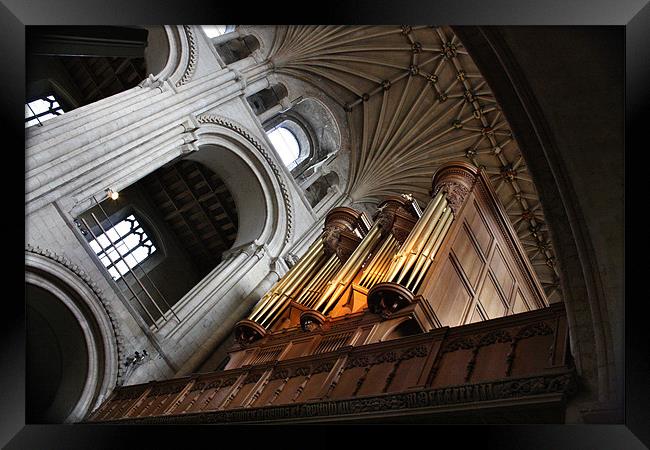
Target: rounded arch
{"x": 71, "y": 306}
{"x": 311, "y": 118}
{"x": 253, "y": 178}
{"x": 173, "y": 54}
{"x": 593, "y": 347}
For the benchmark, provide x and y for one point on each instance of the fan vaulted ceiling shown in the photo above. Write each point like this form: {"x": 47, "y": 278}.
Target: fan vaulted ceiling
{"x": 414, "y": 100}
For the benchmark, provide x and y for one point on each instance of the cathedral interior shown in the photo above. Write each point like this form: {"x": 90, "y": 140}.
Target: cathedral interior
{"x": 350, "y": 224}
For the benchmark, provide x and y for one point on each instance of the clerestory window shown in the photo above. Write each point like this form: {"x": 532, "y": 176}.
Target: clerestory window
{"x": 123, "y": 246}
{"x": 213, "y": 31}
{"x": 286, "y": 144}
{"x": 42, "y": 109}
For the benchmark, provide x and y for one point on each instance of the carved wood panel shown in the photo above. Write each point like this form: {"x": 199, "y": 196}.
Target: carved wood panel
{"x": 469, "y": 257}
{"x": 450, "y": 295}
{"x": 491, "y": 299}
{"x": 477, "y": 223}
{"x": 290, "y": 391}
{"x": 213, "y": 395}
{"x": 315, "y": 386}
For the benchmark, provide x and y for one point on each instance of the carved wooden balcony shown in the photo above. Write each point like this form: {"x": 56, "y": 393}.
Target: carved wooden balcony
{"x": 514, "y": 368}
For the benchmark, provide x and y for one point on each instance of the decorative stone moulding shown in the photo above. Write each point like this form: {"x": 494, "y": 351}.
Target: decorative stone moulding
{"x": 387, "y": 298}
{"x": 311, "y": 320}
{"x": 456, "y": 179}
{"x": 247, "y": 331}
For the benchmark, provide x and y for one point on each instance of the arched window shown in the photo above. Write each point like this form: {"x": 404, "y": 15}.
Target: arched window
{"x": 291, "y": 142}
{"x": 216, "y": 30}
{"x": 286, "y": 144}
{"x": 123, "y": 246}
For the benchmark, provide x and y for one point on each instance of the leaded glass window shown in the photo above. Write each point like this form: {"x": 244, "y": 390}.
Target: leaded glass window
{"x": 123, "y": 246}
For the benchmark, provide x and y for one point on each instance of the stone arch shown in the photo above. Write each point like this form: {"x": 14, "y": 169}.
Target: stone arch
{"x": 322, "y": 131}
{"x": 174, "y": 55}
{"x": 53, "y": 278}
{"x": 238, "y": 48}
{"x": 253, "y": 177}
{"x": 586, "y": 305}
{"x": 321, "y": 187}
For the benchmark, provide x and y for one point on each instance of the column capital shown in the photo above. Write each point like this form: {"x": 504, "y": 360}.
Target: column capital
{"x": 397, "y": 213}
{"x": 456, "y": 179}
{"x": 343, "y": 230}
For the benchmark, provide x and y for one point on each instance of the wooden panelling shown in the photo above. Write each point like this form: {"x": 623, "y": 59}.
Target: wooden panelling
{"x": 468, "y": 256}
{"x": 297, "y": 349}
{"x": 452, "y": 366}
{"x": 532, "y": 344}
{"x": 449, "y": 297}
{"x": 502, "y": 273}
{"x": 190, "y": 398}
{"x": 478, "y": 225}
{"x": 475, "y": 316}
{"x": 267, "y": 354}
{"x": 333, "y": 342}
{"x": 212, "y": 399}
{"x": 376, "y": 379}
{"x": 242, "y": 394}
{"x": 519, "y": 304}
{"x": 491, "y": 300}
{"x": 491, "y": 362}
{"x": 290, "y": 390}
{"x": 407, "y": 374}
{"x": 269, "y": 392}
{"x": 313, "y": 388}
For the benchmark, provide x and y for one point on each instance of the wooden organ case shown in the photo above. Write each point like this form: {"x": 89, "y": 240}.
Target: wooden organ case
{"x": 415, "y": 314}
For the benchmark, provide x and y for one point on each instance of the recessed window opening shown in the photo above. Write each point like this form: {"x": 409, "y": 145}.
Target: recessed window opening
{"x": 123, "y": 246}
{"x": 214, "y": 30}
{"x": 286, "y": 144}
{"x": 42, "y": 109}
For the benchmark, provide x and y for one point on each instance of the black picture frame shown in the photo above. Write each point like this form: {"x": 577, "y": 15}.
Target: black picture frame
{"x": 634, "y": 15}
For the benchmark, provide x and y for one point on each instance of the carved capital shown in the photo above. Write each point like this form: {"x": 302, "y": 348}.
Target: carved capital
{"x": 345, "y": 218}
{"x": 247, "y": 331}
{"x": 397, "y": 213}
{"x": 455, "y": 192}
{"x": 340, "y": 232}
{"x": 456, "y": 179}
{"x": 311, "y": 320}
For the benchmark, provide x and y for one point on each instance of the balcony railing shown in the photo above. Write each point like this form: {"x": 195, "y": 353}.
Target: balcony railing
{"x": 502, "y": 363}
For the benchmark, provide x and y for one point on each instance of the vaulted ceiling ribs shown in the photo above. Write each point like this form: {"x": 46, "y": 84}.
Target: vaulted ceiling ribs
{"x": 415, "y": 99}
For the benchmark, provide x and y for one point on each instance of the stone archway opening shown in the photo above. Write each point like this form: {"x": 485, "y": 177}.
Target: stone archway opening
{"x": 56, "y": 358}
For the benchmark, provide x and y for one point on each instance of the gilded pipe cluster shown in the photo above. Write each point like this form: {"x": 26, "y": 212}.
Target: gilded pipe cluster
{"x": 278, "y": 298}
{"x": 418, "y": 251}
{"x": 305, "y": 282}
{"x": 348, "y": 272}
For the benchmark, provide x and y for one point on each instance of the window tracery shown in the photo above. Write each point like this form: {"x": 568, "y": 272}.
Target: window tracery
{"x": 123, "y": 246}
{"x": 41, "y": 109}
